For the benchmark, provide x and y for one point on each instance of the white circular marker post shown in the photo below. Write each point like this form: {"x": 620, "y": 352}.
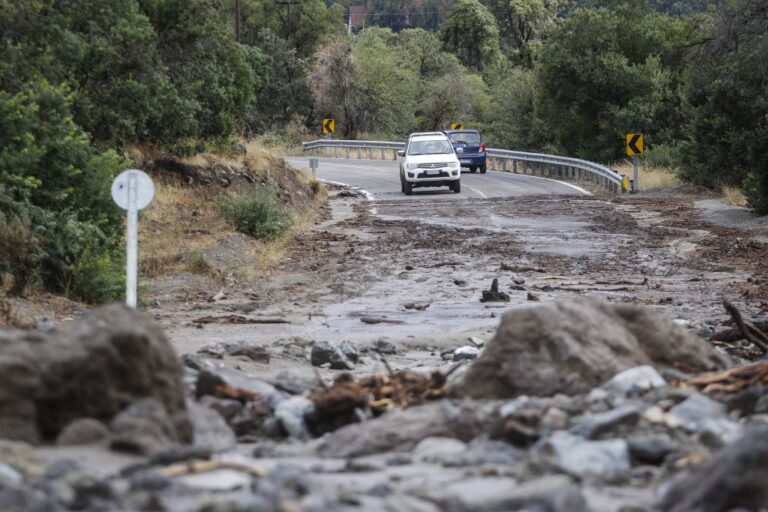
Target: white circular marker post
{"x": 132, "y": 190}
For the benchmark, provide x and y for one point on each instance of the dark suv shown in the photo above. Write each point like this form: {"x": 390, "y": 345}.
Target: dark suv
{"x": 470, "y": 141}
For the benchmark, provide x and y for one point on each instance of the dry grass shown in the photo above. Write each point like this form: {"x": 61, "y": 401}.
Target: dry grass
{"x": 178, "y": 228}
{"x": 733, "y": 196}
{"x": 184, "y": 224}
{"x": 651, "y": 177}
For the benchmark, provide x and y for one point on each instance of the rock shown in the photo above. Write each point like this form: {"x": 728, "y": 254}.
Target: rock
{"x": 9, "y": 476}
{"x": 22, "y": 458}
{"x": 651, "y": 449}
{"x": 572, "y": 347}
{"x": 83, "y": 431}
{"x": 252, "y": 352}
{"x": 93, "y": 367}
{"x": 436, "y": 448}
{"x": 637, "y": 379}
{"x": 218, "y": 480}
{"x": 714, "y": 433}
{"x": 533, "y": 297}
{"x": 695, "y": 410}
{"x": 216, "y": 350}
{"x": 209, "y": 381}
{"x": 592, "y": 426}
{"x": 606, "y": 460}
{"x": 193, "y": 361}
{"x": 549, "y": 493}
{"x": 483, "y": 450}
{"x": 294, "y": 383}
{"x": 350, "y": 351}
{"x": 494, "y": 295}
{"x": 404, "y": 429}
{"x": 465, "y": 353}
{"x": 144, "y": 427}
{"x": 554, "y": 419}
{"x": 384, "y": 347}
{"x": 477, "y": 342}
{"x": 323, "y": 352}
{"x": 732, "y": 478}
{"x": 459, "y": 282}
{"x": 291, "y": 414}
{"x": 226, "y": 407}
{"x": 211, "y": 430}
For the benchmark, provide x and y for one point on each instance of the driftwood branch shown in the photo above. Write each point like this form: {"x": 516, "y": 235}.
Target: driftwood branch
{"x": 753, "y": 335}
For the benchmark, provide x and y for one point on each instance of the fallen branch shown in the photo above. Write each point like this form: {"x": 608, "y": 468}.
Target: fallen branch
{"x": 204, "y": 466}
{"x": 731, "y": 380}
{"x": 238, "y": 319}
{"x": 379, "y": 320}
{"x": 754, "y": 335}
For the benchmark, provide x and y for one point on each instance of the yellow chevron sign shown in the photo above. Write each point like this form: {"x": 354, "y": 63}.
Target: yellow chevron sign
{"x": 635, "y": 144}
{"x": 329, "y": 126}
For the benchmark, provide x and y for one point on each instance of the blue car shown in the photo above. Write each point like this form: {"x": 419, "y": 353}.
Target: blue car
{"x": 473, "y": 148}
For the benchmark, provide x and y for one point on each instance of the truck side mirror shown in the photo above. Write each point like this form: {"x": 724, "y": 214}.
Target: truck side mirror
{"x": 459, "y": 150}
{"x": 401, "y": 152}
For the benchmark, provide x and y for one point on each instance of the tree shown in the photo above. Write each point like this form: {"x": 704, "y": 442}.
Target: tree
{"x": 334, "y": 89}
{"x": 604, "y": 73}
{"x": 471, "y": 33}
{"x": 524, "y": 22}
{"x": 728, "y": 103}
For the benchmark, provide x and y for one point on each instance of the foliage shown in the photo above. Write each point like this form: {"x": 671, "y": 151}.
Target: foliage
{"x": 54, "y": 187}
{"x": 728, "y": 104}
{"x": 471, "y": 33}
{"x": 256, "y": 214}
{"x": 604, "y": 73}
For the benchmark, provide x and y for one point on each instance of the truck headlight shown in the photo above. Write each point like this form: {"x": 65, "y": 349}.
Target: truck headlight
{"x": 412, "y": 166}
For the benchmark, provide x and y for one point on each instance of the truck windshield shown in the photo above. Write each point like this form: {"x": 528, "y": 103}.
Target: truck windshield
{"x": 430, "y": 147}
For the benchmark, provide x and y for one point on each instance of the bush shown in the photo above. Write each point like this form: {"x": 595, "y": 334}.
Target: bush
{"x": 256, "y": 214}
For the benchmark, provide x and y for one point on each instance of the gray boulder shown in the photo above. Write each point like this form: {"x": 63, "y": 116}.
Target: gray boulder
{"x": 734, "y": 478}
{"x": 572, "y": 347}
{"x": 324, "y": 352}
{"x": 604, "y": 460}
{"x": 83, "y": 431}
{"x": 144, "y": 428}
{"x": 91, "y": 368}
{"x": 402, "y": 430}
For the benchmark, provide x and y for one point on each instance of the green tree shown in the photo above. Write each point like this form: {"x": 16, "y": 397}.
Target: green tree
{"x": 471, "y": 33}
{"x": 59, "y": 225}
{"x": 728, "y": 103}
{"x": 604, "y": 73}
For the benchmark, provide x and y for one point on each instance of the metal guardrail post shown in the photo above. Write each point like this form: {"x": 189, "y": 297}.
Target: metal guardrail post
{"x": 370, "y": 153}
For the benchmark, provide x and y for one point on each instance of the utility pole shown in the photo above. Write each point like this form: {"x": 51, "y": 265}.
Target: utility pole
{"x": 287, "y": 4}
{"x": 237, "y": 20}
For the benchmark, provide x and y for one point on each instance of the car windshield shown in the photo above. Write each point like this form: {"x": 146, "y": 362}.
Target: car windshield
{"x": 465, "y": 138}
{"x": 430, "y": 147}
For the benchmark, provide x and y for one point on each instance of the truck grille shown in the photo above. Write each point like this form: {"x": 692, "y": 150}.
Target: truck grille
{"x": 436, "y": 165}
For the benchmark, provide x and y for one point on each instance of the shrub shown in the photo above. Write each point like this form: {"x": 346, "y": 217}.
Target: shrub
{"x": 256, "y": 214}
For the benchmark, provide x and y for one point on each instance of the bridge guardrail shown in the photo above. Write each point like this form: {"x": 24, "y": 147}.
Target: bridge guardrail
{"x": 519, "y": 162}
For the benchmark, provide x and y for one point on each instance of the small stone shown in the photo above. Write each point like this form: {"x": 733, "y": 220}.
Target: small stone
{"x": 714, "y": 433}
{"x": 593, "y": 426}
{"x": 459, "y": 282}
{"x": 639, "y": 378}
{"x": 554, "y": 419}
{"x": 350, "y": 351}
{"x": 144, "y": 427}
{"x": 652, "y": 449}
{"x": 434, "y": 449}
{"x": 211, "y": 431}
{"x": 697, "y": 409}
{"x": 291, "y": 414}
{"x": 218, "y": 480}
{"x": 323, "y": 352}
{"x": 227, "y": 407}
{"x": 465, "y": 353}
{"x": 607, "y": 460}
{"x": 83, "y": 431}
{"x": 382, "y": 346}
{"x": 252, "y": 352}
{"x": 216, "y": 350}
{"x": 479, "y": 343}
{"x": 533, "y": 297}
{"x": 193, "y": 361}
{"x": 9, "y": 476}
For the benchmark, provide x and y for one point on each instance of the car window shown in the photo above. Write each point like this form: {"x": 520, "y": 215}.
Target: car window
{"x": 465, "y": 138}
{"x": 430, "y": 147}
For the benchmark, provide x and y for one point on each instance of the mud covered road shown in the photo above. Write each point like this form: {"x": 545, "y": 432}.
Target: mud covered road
{"x": 411, "y": 272}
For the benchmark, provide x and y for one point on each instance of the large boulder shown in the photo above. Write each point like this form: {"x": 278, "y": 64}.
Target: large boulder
{"x": 90, "y": 368}
{"x": 572, "y": 347}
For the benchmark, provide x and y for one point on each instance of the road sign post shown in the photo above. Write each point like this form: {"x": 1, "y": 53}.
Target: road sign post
{"x": 132, "y": 190}
{"x": 313, "y": 164}
{"x": 635, "y": 147}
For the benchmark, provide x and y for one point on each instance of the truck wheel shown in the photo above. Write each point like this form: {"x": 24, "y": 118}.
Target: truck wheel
{"x": 407, "y": 188}
{"x": 456, "y": 186}
{"x": 483, "y": 169}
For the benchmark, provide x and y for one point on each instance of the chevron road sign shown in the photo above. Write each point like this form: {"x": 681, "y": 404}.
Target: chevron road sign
{"x": 329, "y": 126}
{"x": 635, "y": 144}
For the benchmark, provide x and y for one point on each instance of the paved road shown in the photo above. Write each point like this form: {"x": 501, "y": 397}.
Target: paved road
{"x": 381, "y": 178}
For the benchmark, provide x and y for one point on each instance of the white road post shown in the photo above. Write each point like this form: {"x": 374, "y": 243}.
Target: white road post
{"x": 636, "y": 181}
{"x": 132, "y": 239}
{"x": 132, "y": 190}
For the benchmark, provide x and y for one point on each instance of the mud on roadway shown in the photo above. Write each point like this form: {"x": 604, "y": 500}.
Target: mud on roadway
{"x": 411, "y": 273}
